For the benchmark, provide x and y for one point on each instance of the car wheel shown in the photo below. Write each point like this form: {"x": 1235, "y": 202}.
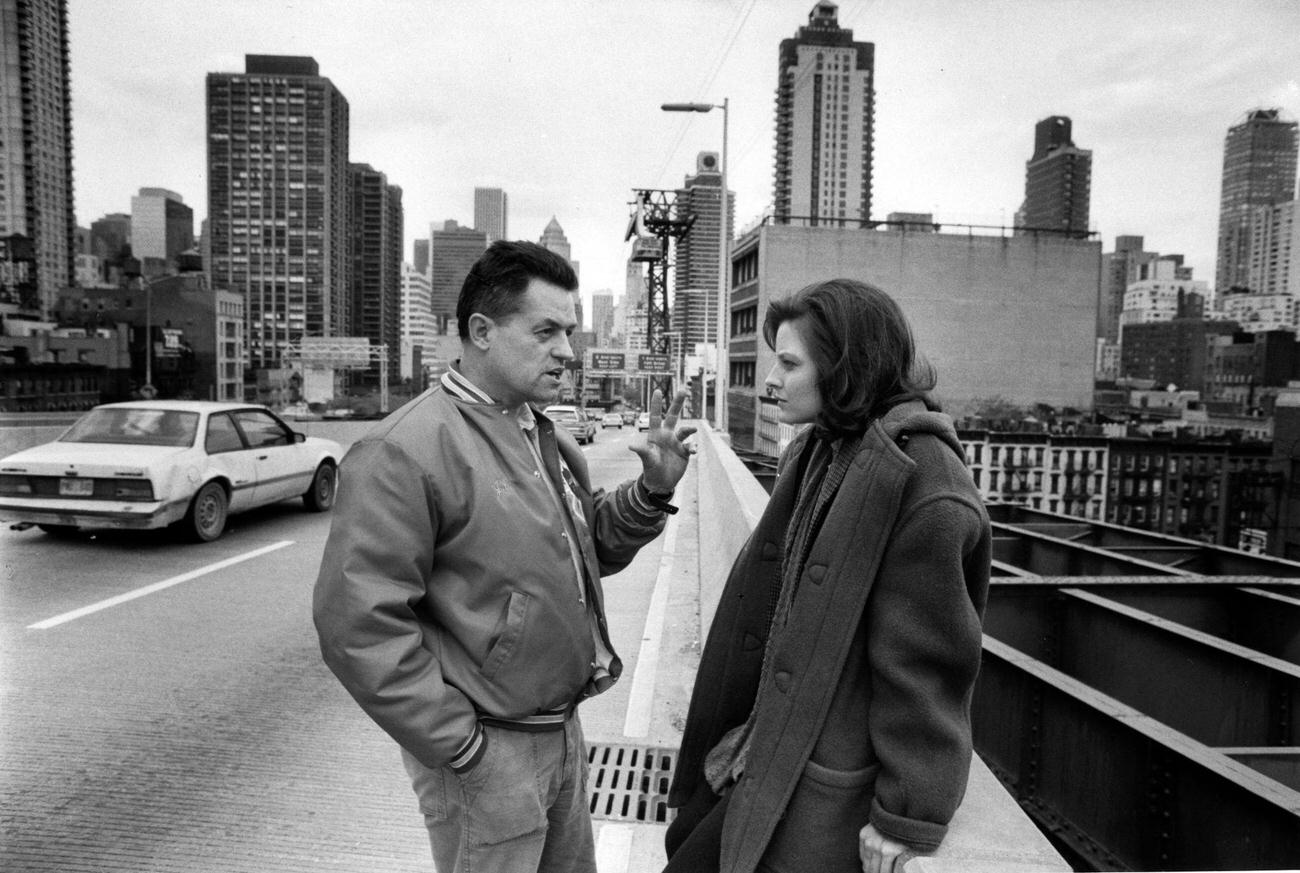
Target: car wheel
{"x": 206, "y": 518}
{"x": 320, "y": 496}
{"x": 62, "y": 531}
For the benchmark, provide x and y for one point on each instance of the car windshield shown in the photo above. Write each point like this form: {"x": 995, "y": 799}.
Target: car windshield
{"x": 137, "y": 427}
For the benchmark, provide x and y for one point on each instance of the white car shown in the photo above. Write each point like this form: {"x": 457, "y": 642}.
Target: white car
{"x": 150, "y": 464}
{"x": 643, "y": 421}
{"x": 574, "y": 420}
{"x": 611, "y": 419}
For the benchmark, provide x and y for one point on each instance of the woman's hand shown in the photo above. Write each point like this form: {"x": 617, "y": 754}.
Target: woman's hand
{"x": 880, "y": 854}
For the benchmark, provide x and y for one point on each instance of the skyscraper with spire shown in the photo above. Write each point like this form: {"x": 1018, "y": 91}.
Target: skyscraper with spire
{"x": 825, "y": 124}
{"x": 36, "y": 153}
{"x": 1259, "y": 169}
{"x": 553, "y": 238}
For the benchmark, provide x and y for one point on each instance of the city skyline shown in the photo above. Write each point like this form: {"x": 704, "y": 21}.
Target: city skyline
{"x": 1151, "y": 89}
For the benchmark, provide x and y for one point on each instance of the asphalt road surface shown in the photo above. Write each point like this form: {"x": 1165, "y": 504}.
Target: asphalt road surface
{"x": 163, "y": 706}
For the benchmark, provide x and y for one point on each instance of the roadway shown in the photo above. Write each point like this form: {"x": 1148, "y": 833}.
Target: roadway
{"x": 163, "y": 706}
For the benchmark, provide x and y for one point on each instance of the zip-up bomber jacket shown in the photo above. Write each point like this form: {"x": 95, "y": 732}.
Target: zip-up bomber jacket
{"x": 447, "y": 590}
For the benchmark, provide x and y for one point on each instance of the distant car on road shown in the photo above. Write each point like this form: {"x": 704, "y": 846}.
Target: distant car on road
{"x": 643, "y": 421}
{"x": 150, "y": 464}
{"x": 575, "y": 421}
{"x": 629, "y": 416}
{"x": 612, "y": 419}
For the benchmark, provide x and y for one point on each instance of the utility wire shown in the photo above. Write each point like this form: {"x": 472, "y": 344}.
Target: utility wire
{"x": 735, "y": 29}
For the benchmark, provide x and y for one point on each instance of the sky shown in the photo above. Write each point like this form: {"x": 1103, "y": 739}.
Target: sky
{"x": 558, "y": 102}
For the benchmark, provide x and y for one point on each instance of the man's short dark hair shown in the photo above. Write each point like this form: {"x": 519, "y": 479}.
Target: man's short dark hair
{"x": 499, "y": 278}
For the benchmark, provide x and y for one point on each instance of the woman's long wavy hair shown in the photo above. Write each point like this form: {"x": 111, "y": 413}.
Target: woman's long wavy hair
{"x": 863, "y": 349}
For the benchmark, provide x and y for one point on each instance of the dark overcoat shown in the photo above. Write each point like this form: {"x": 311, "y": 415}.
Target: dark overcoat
{"x": 868, "y": 719}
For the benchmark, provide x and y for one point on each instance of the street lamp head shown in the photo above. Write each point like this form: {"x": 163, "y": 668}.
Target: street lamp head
{"x": 686, "y": 107}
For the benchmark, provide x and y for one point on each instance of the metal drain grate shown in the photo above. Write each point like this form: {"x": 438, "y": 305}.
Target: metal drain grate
{"x": 630, "y": 783}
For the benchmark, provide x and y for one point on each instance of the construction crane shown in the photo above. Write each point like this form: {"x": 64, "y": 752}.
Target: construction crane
{"x": 655, "y": 221}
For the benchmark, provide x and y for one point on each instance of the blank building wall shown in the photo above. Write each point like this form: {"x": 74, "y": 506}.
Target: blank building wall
{"x": 1012, "y": 316}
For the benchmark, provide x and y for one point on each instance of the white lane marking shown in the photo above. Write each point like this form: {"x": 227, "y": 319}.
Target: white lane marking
{"x": 614, "y": 848}
{"x": 157, "y": 586}
{"x": 641, "y": 697}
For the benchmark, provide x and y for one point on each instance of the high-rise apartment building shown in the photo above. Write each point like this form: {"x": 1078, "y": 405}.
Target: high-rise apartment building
{"x": 825, "y": 122}
{"x": 452, "y": 252}
{"x": 418, "y": 326}
{"x": 162, "y": 227}
{"x": 36, "y": 153}
{"x": 1275, "y": 249}
{"x": 1120, "y": 268}
{"x": 279, "y": 200}
{"x": 697, "y": 256}
{"x": 1058, "y": 181}
{"x": 1259, "y": 169}
{"x": 377, "y": 239}
{"x": 490, "y": 213}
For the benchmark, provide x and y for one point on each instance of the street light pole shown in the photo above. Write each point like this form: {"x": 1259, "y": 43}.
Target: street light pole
{"x": 724, "y": 269}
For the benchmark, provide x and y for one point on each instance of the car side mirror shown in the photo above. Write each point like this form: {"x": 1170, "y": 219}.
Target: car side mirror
{"x": 299, "y": 437}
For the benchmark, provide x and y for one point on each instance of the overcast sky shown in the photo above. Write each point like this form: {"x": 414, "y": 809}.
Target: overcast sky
{"x": 557, "y": 102}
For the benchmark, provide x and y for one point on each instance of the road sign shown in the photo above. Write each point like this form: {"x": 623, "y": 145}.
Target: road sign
{"x": 653, "y": 364}
{"x": 607, "y": 361}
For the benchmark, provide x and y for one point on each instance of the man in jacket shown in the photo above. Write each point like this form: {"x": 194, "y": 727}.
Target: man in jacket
{"x": 459, "y": 597}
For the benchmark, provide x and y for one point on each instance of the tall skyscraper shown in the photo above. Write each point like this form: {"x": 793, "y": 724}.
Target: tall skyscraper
{"x": 825, "y": 122}
{"x": 36, "y": 152}
{"x": 420, "y": 255}
{"x": 279, "y": 200}
{"x": 377, "y": 239}
{"x": 162, "y": 227}
{"x": 418, "y": 327}
{"x": 602, "y": 317}
{"x": 1058, "y": 181}
{"x": 1259, "y": 169}
{"x": 553, "y": 238}
{"x": 1275, "y": 249}
{"x": 452, "y": 252}
{"x": 490, "y": 213}
{"x": 696, "y": 261}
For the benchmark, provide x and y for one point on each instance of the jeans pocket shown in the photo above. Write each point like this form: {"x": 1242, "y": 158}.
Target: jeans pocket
{"x": 430, "y": 787}
{"x": 500, "y": 793}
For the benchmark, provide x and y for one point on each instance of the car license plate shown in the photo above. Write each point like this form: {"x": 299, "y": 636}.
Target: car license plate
{"x": 76, "y": 487}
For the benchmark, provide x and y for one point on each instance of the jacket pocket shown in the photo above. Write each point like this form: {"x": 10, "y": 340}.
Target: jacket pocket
{"x": 820, "y": 828}
{"x": 508, "y": 631}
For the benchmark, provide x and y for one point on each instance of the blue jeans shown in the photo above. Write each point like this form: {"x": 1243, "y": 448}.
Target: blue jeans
{"x": 522, "y": 809}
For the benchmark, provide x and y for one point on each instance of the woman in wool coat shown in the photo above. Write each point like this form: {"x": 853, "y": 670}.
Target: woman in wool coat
{"x": 829, "y": 729}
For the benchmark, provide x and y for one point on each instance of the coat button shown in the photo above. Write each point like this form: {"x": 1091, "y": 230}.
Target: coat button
{"x": 817, "y": 572}
{"x": 770, "y": 551}
{"x": 782, "y": 681}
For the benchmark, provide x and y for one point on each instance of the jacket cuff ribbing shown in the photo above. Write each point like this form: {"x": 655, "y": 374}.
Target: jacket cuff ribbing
{"x": 471, "y": 752}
